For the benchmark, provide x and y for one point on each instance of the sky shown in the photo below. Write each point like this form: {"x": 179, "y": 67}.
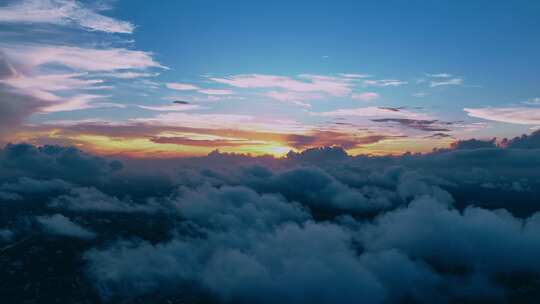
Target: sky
{"x": 183, "y": 78}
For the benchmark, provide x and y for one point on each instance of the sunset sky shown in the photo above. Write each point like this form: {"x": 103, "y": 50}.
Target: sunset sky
{"x": 182, "y": 78}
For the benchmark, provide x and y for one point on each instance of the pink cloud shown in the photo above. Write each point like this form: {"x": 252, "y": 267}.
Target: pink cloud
{"x": 367, "y": 96}
{"x": 181, "y": 86}
{"x": 86, "y": 59}
{"x": 62, "y": 13}
{"x": 215, "y": 92}
{"x": 309, "y": 83}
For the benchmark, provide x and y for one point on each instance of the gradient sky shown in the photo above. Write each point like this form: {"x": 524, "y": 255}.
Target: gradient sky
{"x": 175, "y": 78}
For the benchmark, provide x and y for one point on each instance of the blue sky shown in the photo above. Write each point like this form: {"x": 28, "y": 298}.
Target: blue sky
{"x": 375, "y": 76}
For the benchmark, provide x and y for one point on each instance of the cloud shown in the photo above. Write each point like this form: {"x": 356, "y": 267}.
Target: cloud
{"x": 453, "y": 81}
{"x": 305, "y": 83}
{"x": 513, "y": 115}
{"x": 367, "y": 96}
{"x": 26, "y": 185}
{"x": 421, "y": 94}
{"x": 432, "y": 231}
{"x": 171, "y": 108}
{"x": 371, "y": 112}
{"x": 77, "y": 58}
{"x": 454, "y": 225}
{"x": 62, "y": 12}
{"x": 80, "y": 102}
{"x": 50, "y": 162}
{"x": 531, "y": 141}
{"x": 439, "y": 75}
{"x": 418, "y": 124}
{"x": 473, "y": 144}
{"x": 297, "y": 98}
{"x": 6, "y": 235}
{"x": 129, "y": 75}
{"x": 352, "y": 75}
{"x": 533, "y": 101}
{"x": 215, "y": 92}
{"x": 181, "y": 86}
{"x": 60, "y": 225}
{"x": 91, "y": 199}
{"x": 384, "y": 83}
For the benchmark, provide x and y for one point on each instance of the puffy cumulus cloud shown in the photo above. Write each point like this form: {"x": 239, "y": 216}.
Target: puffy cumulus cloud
{"x": 236, "y": 208}
{"x": 6, "y": 235}
{"x": 294, "y": 264}
{"x": 453, "y": 226}
{"x": 524, "y": 141}
{"x": 91, "y": 199}
{"x": 58, "y": 224}
{"x": 317, "y": 189}
{"x": 473, "y": 144}
{"x": 26, "y": 185}
{"x": 53, "y": 162}
{"x": 474, "y": 240}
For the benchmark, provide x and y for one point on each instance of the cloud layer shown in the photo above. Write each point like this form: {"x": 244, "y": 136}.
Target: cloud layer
{"x": 319, "y": 226}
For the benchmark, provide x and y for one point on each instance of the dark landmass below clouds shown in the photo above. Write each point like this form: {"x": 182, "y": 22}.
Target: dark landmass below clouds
{"x": 457, "y": 225}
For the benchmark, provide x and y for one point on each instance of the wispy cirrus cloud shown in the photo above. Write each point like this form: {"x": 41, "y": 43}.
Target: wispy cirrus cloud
{"x": 513, "y": 115}
{"x": 533, "y": 101}
{"x": 171, "y": 108}
{"x": 372, "y": 112}
{"x": 62, "y": 12}
{"x": 384, "y": 83}
{"x": 181, "y": 86}
{"x": 79, "y": 58}
{"x": 334, "y": 86}
{"x": 366, "y": 96}
{"x": 449, "y": 82}
{"x": 442, "y": 79}
{"x": 80, "y": 102}
{"x": 215, "y": 92}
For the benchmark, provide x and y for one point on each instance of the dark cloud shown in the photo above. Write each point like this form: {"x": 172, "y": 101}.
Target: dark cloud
{"x": 15, "y": 106}
{"x": 473, "y": 144}
{"x": 418, "y": 124}
{"x": 453, "y": 226}
{"x": 58, "y": 224}
{"x": 531, "y": 141}
{"x": 53, "y": 162}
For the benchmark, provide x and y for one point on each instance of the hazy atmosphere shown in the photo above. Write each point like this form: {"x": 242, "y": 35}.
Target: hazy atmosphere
{"x": 269, "y": 151}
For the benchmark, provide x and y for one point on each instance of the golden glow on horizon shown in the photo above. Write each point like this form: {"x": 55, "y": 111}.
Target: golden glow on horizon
{"x": 141, "y": 147}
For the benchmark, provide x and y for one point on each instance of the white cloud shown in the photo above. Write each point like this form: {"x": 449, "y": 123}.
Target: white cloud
{"x": 533, "y": 101}
{"x": 367, "y": 96}
{"x": 384, "y": 83}
{"x": 171, "y": 108}
{"x": 181, "y": 86}
{"x": 215, "y": 92}
{"x": 86, "y": 59}
{"x": 349, "y": 75}
{"x": 62, "y": 12}
{"x": 439, "y": 75}
{"x": 51, "y": 82}
{"x": 80, "y": 102}
{"x": 514, "y": 115}
{"x": 334, "y": 86}
{"x": 453, "y": 81}
{"x": 130, "y": 75}
{"x": 421, "y": 94}
{"x": 296, "y": 98}
{"x": 372, "y": 112}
